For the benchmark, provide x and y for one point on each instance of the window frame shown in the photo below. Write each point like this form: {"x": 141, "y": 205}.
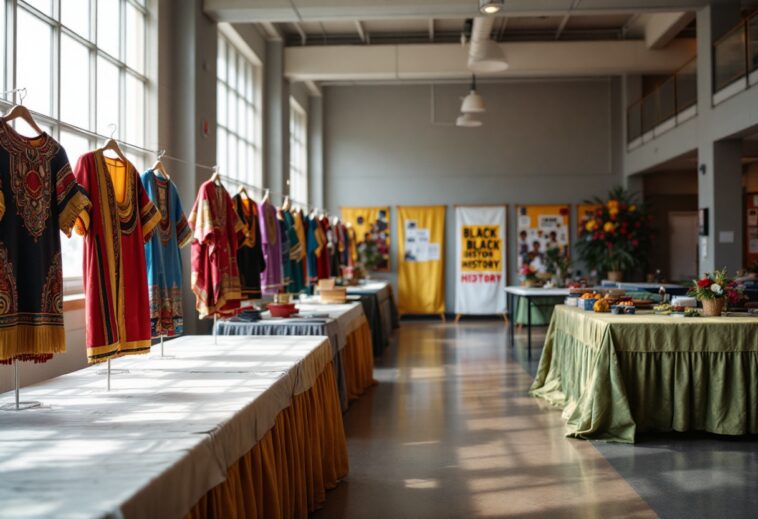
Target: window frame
{"x": 298, "y": 129}
{"x": 247, "y": 133}
{"x": 53, "y": 122}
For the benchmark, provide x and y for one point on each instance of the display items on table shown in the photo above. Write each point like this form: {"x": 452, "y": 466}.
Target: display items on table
{"x": 39, "y": 197}
{"x": 543, "y": 241}
{"x": 162, "y": 256}
{"x": 250, "y": 260}
{"x": 117, "y": 226}
{"x": 421, "y": 266}
{"x": 371, "y": 230}
{"x": 481, "y": 264}
{"x": 716, "y": 291}
{"x": 616, "y": 240}
{"x": 215, "y": 230}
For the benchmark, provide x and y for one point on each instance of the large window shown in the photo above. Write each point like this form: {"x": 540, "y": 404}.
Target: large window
{"x": 298, "y": 154}
{"x": 239, "y": 128}
{"x": 84, "y": 67}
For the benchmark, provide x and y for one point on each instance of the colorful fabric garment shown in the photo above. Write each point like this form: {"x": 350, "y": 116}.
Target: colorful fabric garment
{"x": 324, "y": 254}
{"x": 164, "y": 262}
{"x": 116, "y": 228}
{"x": 295, "y": 255}
{"x": 271, "y": 277}
{"x": 284, "y": 242}
{"x": 39, "y": 197}
{"x": 300, "y": 229}
{"x": 250, "y": 252}
{"x": 215, "y": 233}
{"x": 312, "y": 246}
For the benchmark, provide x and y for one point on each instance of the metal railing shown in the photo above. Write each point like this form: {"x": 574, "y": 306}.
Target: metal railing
{"x": 735, "y": 54}
{"x": 676, "y": 94}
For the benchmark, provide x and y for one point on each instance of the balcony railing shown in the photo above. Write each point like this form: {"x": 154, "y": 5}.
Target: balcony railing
{"x": 735, "y": 55}
{"x": 675, "y": 95}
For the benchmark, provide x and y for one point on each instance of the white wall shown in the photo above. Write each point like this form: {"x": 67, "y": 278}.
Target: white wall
{"x": 542, "y": 142}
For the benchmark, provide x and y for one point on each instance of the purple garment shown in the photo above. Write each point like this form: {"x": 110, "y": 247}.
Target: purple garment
{"x": 271, "y": 277}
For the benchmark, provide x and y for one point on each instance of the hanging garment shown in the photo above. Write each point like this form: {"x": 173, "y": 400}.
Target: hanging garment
{"x": 341, "y": 244}
{"x": 116, "y": 228}
{"x": 250, "y": 252}
{"x": 295, "y": 255}
{"x": 312, "y": 247}
{"x": 284, "y": 242}
{"x": 271, "y": 277}
{"x": 323, "y": 253}
{"x": 215, "y": 233}
{"x": 39, "y": 197}
{"x": 352, "y": 245}
{"x": 164, "y": 262}
{"x": 301, "y": 225}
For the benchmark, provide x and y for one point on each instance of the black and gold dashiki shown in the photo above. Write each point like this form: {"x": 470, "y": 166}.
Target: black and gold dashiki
{"x": 39, "y": 197}
{"x": 250, "y": 259}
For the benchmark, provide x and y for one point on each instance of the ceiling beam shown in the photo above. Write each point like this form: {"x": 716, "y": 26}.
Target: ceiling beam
{"x": 301, "y": 32}
{"x": 565, "y": 19}
{"x": 448, "y": 61}
{"x": 241, "y": 11}
{"x": 361, "y": 31}
{"x": 272, "y": 32}
{"x": 661, "y": 28}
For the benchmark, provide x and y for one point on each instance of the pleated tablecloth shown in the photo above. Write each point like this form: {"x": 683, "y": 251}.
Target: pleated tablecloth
{"x": 165, "y": 434}
{"x": 616, "y": 376}
{"x": 381, "y": 310}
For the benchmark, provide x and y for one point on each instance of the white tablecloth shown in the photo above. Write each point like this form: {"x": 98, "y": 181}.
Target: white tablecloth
{"x": 349, "y": 316}
{"x": 164, "y": 435}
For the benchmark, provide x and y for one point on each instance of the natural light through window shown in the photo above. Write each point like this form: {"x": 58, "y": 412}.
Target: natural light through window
{"x": 83, "y": 65}
{"x": 238, "y": 95}
{"x": 298, "y": 154}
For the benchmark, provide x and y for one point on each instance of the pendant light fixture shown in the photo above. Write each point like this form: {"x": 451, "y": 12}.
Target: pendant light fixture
{"x": 467, "y": 121}
{"x": 491, "y": 6}
{"x": 473, "y": 102}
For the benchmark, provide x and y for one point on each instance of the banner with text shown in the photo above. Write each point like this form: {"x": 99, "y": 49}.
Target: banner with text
{"x": 481, "y": 260}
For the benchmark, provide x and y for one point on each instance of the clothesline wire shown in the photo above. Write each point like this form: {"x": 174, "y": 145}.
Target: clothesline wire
{"x": 161, "y": 153}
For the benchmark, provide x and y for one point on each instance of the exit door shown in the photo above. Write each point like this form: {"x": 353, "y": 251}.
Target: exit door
{"x": 683, "y": 251}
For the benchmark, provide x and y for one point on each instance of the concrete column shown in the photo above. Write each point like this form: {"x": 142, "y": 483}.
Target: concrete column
{"x": 316, "y": 150}
{"x": 276, "y": 122}
{"x": 187, "y": 105}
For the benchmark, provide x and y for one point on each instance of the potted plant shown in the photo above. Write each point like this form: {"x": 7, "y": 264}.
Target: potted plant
{"x": 715, "y": 291}
{"x": 557, "y": 264}
{"x": 616, "y": 238}
{"x": 528, "y": 275}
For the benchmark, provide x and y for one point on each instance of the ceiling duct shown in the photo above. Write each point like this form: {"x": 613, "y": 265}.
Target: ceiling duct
{"x": 485, "y": 55}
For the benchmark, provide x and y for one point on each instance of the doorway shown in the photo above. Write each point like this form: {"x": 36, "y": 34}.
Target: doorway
{"x": 683, "y": 249}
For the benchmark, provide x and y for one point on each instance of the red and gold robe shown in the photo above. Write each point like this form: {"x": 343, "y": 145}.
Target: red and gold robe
{"x": 215, "y": 276}
{"x": 120, "y": 222}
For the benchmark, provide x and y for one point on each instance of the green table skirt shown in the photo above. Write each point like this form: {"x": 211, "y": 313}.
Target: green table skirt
{"x": 541, "y": 314}
{"x": 610, "y": 392}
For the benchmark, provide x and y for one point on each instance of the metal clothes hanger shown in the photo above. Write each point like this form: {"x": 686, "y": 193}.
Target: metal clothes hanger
{"x": 286, "y": 204}
{"x": 216, "y": 176}
{"x": 112, "y": 145}
{"x": 158, "y": 167}
{"x": 19, "y": 111}
{"x": 266, "y": 193}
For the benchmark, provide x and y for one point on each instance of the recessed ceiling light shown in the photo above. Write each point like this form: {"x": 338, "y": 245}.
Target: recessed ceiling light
{"x": 491, "y": 6}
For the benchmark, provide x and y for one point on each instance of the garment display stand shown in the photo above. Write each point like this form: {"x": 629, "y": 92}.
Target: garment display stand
{"x": 18, "y": 405}
{"x": 215, "y": 329}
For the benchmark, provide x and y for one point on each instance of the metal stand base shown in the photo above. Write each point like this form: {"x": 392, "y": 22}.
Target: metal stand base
{"x": 20, "y": 406}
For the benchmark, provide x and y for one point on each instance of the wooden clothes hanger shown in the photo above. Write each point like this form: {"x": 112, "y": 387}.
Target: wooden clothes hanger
{"x": 265, "y": 196}
{"x": 112, "y": 145}
{"x": 286, "y": 204}
{"x": 19, "y": 111}
{"x": 242, "y": 192}
{"x": 216, "y": 177}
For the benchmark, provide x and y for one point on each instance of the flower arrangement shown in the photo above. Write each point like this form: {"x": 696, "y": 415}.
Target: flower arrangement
{"x": 617, "y": 236}
{"x": 528, "y": 274}
{"x": 716, "y": 285}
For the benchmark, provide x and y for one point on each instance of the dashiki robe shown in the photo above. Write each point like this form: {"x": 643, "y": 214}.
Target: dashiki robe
{"x": 215, "y": 228}
{"x": 300, "y": 229}
{"x": 271, "y": 277}
{"x": 39, "y": 197}
{"x": 324, "y": 253}
{"x": 250, "y": 252}
{"x": 295, "y": 254}
{"x": 311, "y": 249}
{"x": 352, "y": 244}
{"x": 164, "y": 262}
{"x": 116, "y": 228}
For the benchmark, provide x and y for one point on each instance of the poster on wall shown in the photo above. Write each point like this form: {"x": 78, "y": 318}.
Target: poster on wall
{"x": 481, "y": 260}
{"x": 372, "y": 231}
{"x": 421, "y": 260}
{"x": 543, "y": 236}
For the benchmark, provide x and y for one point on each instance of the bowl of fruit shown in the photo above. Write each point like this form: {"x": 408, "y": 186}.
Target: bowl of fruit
{"x": 663, "y": 309}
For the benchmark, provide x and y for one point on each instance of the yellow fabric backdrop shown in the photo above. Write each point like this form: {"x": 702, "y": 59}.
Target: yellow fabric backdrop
{"x": 421, "y": 284}
{"x": 367, "y": 217}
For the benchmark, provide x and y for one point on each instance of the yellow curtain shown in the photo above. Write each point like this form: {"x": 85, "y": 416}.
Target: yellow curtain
{"x": 286, "y": 474}
{"x": 421, "y": 279}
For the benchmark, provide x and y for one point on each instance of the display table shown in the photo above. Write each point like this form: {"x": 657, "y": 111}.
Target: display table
{"x": 348, "y": 332}
{"x": 381, "y": 310}
{"x": 180, "y": 435}
{"x": 535, "y": 298}
{"x": 616, "y": 376}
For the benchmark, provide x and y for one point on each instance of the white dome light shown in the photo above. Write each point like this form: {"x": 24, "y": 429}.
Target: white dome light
{"x": 467, "y": 121}
{"x": 491, "y": 6}
{"x": 486, "y": 56}
{"x": 472, "y": 103}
